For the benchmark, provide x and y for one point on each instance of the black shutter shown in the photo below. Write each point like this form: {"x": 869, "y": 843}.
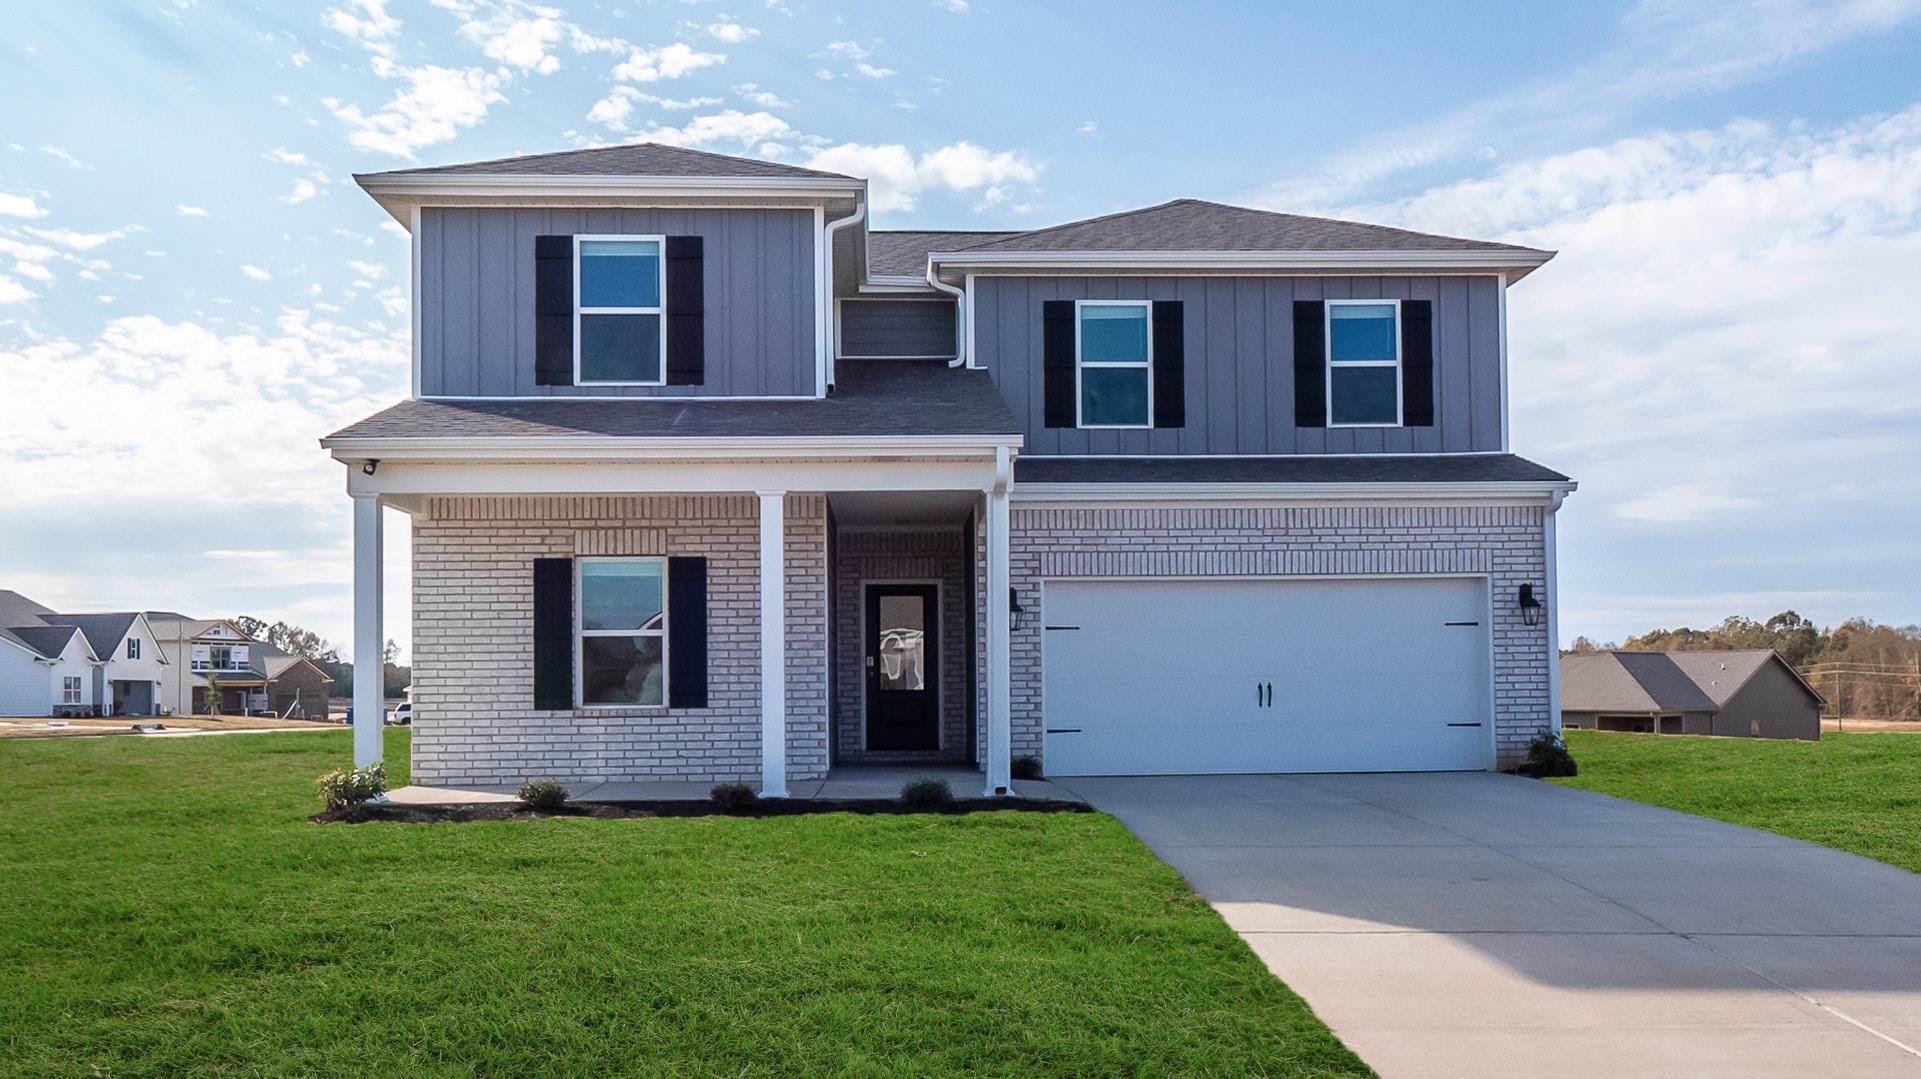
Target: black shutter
{"x": 1057, "y": 363}
{"x": 1170, "y": 364}
{"x": 1310, "y": 363}
{"x": 553, "y": 310}
{"x": 553, "y": 633}
{"x": 1417, "y": 363}
{"x": 687, "y": 632}
{"x": 686, "y": 312}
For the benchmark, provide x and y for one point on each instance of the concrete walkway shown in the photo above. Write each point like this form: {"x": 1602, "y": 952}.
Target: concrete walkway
{"x": 857, "y": 782}
{"x": 1482, "y": 925}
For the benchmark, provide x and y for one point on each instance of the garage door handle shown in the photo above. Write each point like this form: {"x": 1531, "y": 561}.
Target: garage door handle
{"x": 1063, "y": 730}
{"x": 1464, "y": 724}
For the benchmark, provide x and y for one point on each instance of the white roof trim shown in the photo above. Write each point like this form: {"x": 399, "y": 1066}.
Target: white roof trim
{"x": 642, "y": 448}
{"x": 1486, "y": 261}
{"x": 1291, "y": 493}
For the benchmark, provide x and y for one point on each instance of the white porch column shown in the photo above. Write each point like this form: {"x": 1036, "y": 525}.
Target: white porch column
{"x": 1000, "y": 682}
{"x": 773, "y": 644}
{"x": 1552, "y": 601}
{"x": 369, "y": 639}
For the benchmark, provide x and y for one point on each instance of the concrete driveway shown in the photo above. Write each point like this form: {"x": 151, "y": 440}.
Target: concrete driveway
{"x": 1477, "y": 925}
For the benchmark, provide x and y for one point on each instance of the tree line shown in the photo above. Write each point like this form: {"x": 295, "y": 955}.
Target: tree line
{"x": 1866, "y": 670}
{"x": 297, "y": 641}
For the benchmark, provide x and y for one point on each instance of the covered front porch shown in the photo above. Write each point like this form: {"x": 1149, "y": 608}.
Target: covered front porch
{"x": 842, "y": 605}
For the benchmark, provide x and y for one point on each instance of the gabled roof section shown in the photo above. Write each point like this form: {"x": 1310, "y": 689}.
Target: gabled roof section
{"x": 633, "y": 159}
{"x": 104, "y": 631}
{"x": 1198, "y": 225}
{"x": 45, "y": 641}
{"x": 18, "y": 613}
{"x": 1631, "y": 682}
{"x": 1722, "y": 674}
{"x": 903, "y": 252}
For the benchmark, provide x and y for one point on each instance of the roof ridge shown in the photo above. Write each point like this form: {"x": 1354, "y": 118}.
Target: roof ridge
{"x": 645, "y": 143}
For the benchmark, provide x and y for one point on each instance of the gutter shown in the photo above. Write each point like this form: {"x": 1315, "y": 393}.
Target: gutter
{"x": 1388, "y": 493}
{"x": 960, "y": 312}
{"x": 537, "y": 448}
{"x": 1520, "y": 261}
{"x": 830, "y": 315}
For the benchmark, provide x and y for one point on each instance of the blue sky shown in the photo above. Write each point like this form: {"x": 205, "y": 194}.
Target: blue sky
{"x": 1727, "y": 353}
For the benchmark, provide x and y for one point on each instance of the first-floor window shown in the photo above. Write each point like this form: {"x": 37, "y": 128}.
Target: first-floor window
{"x": 70, "y": 690}
{"x": 623, "y": 631}
{"x": 1363, "y": 364}
{"x": 1113, "y": 358}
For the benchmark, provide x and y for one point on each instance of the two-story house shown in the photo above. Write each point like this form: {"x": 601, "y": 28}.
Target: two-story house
{"x": 248, "y": 675}
{"x": 709, "y": 480}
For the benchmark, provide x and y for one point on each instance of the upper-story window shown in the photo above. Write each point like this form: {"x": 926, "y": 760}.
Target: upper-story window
{"x": 620, "y": 325}
{"x": 1363, "y": 363}
{"x": 219, "y": 657}
{"x": 133, "y": 648}
{"x": 623, "y": 632}
{"x": 1113, "y": 363}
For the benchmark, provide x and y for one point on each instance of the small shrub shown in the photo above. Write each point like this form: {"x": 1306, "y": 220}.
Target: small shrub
{"x": 351, "y": 788}
{"x": 1547, "y": 755}
{"x": 734, "y": 797}
{"x": 926, "y": 793}
{"x": 543, "y": 794}
{"x": 1026, "y": 768}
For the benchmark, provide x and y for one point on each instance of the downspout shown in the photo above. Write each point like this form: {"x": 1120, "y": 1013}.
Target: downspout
{"x": 1553, "y": 602}
{"x": 833, "y": 327}
{"x": 960, "y": 313}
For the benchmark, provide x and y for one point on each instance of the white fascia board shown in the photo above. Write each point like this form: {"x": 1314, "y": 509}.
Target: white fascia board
{"x": 398, "y": 482}
{"x": 883, "y": 283}
{"x": 1258, "y": 494}
{"x": 605, "y": 448}
{"x": 1372, "y": 261}
{"x": 398, "y": 194}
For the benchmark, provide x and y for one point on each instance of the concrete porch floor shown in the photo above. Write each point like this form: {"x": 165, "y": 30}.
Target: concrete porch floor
{"x": 845, "y": 782}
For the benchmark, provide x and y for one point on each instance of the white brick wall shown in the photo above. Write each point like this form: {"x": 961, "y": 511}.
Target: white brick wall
{"x": 1504, "y": 542}
{"x": 473, "y": 640}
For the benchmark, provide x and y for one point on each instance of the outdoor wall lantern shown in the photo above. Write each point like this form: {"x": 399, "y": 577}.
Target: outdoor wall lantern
{"x": 1014, "y": 609}
{"x": 1530, "y": 605}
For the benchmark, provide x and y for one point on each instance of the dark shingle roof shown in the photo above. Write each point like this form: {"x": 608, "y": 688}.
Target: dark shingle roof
{"x": 1629, "y": 682}
{"x": 48, "y": 641}
{"x": 635, "y": 159}
{"x": 1195, "y": 225}
{"x": 104, "y": 631}
{"x": 1359, "y": 468}
{"x": 880, "y": 398}
{"x": 897, "y": 252}
{"x": 1720, "y": 674}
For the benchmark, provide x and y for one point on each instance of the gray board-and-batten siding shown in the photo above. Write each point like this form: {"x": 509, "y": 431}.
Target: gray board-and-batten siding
{"x": 1239, "y": 372}
{"x": 477, "y": 298}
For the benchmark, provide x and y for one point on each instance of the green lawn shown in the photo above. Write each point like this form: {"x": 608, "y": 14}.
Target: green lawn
{"x": 165, "y": 907}
{"x": 1855, "y": 792}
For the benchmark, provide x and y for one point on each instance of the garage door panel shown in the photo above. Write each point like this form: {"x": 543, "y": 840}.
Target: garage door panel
{"x": 1167, "y": 677}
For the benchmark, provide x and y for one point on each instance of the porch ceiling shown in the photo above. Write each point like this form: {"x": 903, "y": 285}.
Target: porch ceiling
{"x": 891, "y": 509}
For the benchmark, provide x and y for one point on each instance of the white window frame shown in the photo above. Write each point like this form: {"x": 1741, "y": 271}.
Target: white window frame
{"x": 660, "y": 310}
{"x": 580, "y": 633}
{"x": 1145, "y": 365}
{"x": 71, "y": 689}
{"x": 1327, "y": 345}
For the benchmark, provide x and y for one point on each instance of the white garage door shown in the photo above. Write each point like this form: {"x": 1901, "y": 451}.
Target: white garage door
{"x": 1181, "y": 677}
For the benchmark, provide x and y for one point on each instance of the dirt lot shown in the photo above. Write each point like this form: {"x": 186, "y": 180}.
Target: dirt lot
{"x": 42, "y": 727}
{"x": 1871, "y": 726}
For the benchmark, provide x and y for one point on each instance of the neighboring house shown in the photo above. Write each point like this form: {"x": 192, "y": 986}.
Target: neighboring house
{"x": 251, "y": 676}
{"x": 76, "y": 664}
{"x": 1745, "y": 694}
{"x": 708, "y": 480}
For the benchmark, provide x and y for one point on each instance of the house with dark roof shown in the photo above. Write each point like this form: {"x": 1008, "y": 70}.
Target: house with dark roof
{"x": 76, "y": 664}
{"x": 1741, "y": 694}
{"x": 708, "y": 478}
{"x": 244, "y": 676}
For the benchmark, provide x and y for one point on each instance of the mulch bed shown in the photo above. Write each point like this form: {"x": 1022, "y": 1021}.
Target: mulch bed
{"x": 773, "y": 807}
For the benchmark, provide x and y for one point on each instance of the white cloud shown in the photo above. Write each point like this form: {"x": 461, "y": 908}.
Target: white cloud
{"x": 255, "y": 273}
{"x": 82, "y": 241}
{"x": 726, "y": 126}
{"x": 519, "y": 40}
{"x": 848, "y": 50}
{"x": 303, "y": 189}
{"x": 365, "y": 21}
{"x": 873, "y": 72}
{"x": 732, "y": 33}
{"x": 754, "y": 95}
{"x": 20, "y": 206}
{"x": 1088, "y": 127}
{"x": 1723, "y": 354}
{"x": 282, "y": 156}
{"x": 185, "y": 210}
{"x": 373, "y": 271}
{"x": 1661, "y": 49}
{"x": 614, "y": 110}
{"x": 299, "y": 58}
{"x": 958, "y": 7}
{"x": 669, "y": 62}
{"x": 897, "y": 178}
{"x": 435, "y": 105}
{"x": 12, "y": 291}
{"x": 64, "y": 157}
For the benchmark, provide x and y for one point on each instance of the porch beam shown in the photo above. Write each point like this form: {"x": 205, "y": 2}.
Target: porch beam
{"x": 773, "y": 644}
{"x": 1000, "y": 684}
{"x": 370, "y": 699}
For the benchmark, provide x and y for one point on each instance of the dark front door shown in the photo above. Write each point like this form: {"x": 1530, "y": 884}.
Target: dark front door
{"x": 902, "y": 660}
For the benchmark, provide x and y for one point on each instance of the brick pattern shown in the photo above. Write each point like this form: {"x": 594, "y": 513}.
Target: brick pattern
{"x": 473, "y": 640}
{"x": 861, "y": 557}
{"x": 1506, "y": 543}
